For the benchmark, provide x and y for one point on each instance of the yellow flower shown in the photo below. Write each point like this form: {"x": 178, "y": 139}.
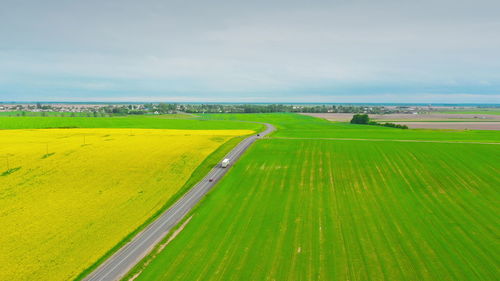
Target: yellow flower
{"x": 67, "y": 196}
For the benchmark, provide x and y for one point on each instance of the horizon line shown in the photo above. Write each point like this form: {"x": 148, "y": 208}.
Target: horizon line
{"x": 256, "y": 102}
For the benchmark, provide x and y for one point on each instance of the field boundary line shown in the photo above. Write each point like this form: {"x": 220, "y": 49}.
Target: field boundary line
{"x": 384, "y": 140}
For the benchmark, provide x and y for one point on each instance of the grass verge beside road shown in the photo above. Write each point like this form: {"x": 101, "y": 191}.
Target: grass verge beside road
{"x": 199, "y": 173}
{"x": 68, "y": 196}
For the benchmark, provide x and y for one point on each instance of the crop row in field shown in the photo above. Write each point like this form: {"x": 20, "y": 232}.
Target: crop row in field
{"x": 301, "y": 126}
{"x": 67, "y": 196}
{"x": 341, "y": 210}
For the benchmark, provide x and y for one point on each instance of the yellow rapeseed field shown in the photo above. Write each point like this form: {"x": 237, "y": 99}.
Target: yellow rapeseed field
{"x": 67, "y": 196}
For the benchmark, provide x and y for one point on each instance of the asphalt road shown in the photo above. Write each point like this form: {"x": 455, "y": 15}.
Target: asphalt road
{"x": 130, "y": 254}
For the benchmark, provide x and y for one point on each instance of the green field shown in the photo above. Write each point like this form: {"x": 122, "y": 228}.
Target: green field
{"x": 343, "y": 210}
{"x": 19, "y": 113}
{"x": 300, "y": 126}
{"x": 317, "y": 209}
{"x": 143, "y": 122}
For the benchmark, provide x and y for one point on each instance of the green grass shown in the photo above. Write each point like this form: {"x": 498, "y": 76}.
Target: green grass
{"x": 344, "y": 210}
{"x": 300, "y": 126}
{"x": 19, "y": 113}
{"x": 122, "y": 122}
{"x": 9, "y": 171}
{"x": 211, "y": 161}
{"x": 165, "y": 116}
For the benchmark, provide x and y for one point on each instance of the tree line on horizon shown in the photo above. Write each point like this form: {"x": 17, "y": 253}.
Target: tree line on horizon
{"x": 172, "y": 108}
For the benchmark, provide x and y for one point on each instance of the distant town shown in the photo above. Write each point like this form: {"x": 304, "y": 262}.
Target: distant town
{"x": 103, "y": 110}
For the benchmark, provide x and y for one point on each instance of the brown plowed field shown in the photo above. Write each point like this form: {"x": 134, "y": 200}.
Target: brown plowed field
{"x": 471, "y": 121}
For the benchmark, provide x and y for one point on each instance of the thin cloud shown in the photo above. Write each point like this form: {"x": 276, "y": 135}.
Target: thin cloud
{"x": 262, "y": 50}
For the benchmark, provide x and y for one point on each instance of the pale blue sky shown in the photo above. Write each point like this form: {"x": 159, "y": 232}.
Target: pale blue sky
{"x": 250, "y": 51}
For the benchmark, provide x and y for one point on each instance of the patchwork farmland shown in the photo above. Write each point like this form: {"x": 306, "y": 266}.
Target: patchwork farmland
{"x": 249, "y": 140}
{"x": 301, "y": 126}
{"x": 315, "y": 200}
{"x": 68, "y": 196}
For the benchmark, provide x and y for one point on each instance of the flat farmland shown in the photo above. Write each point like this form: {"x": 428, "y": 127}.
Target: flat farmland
{"x": 67, "y": 196}
{"x": 485, "y": 111}
{"x": 301, "y": 126}
{"x": 423, "y": 117}
{"x": 344, "y": 210}
{"x": 144, "y": 122}
{"x": 425, "y": 121}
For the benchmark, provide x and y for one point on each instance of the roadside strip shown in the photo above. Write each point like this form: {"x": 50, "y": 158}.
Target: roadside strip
{"x": 134, "y": 251}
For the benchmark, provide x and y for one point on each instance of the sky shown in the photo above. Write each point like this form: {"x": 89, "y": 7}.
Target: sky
{"x": 427, "y": 51}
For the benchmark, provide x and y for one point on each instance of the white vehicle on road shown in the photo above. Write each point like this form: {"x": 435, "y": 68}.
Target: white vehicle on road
{"x": 138, "y": 247}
